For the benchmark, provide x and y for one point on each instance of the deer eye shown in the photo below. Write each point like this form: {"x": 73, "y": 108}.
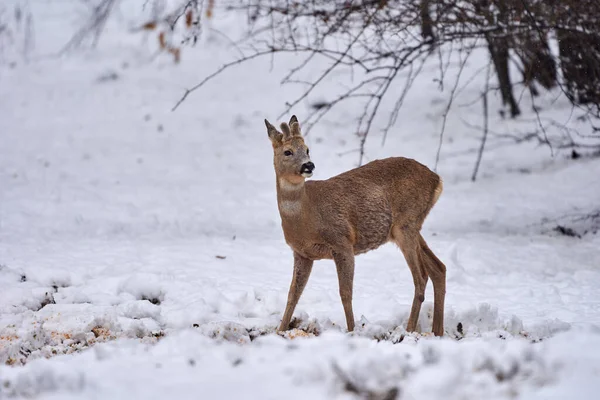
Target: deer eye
{"x": 307, "y": 151}
{"x": 288, "y": 153}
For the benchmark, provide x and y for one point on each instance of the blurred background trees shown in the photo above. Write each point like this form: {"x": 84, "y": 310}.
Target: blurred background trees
{"x": 532, "y": 45}
{"x": 554, "y": 45}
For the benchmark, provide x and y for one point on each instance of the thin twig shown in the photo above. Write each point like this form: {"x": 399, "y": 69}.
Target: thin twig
{"x": 218, "y": 72}
{"x": 540, "y": 124}
{"x": 394, "y": 116}
{"x": 484, "y": 98}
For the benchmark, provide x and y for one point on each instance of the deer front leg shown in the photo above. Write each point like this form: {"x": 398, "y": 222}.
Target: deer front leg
{"x": 302, "y": 269}
{"x": 344, "y": 262}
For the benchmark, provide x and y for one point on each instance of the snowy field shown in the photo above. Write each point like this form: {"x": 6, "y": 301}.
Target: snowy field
{"x": 141, "y": 254}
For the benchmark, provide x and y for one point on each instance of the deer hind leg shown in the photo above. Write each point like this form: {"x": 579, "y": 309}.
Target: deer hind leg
{"x": 344, "y": 263}
{"x": 408, "y": 242}
{"x": 302, "y": 269}
{"x": 437, "y": 271}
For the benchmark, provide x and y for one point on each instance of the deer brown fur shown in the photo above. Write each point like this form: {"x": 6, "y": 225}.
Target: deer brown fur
{"x": 352, "y": 213}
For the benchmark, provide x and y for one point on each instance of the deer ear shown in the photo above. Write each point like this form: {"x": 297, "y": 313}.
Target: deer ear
{"x": 275, "y": 136}
{"x": 295, "y": 126}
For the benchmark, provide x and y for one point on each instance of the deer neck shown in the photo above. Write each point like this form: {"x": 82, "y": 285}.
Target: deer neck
{"x": 290, "y": 198}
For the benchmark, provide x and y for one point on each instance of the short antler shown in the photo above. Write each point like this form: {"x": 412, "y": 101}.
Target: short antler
{"x": 295, "y": 126}
{"x": 285, "y": 128}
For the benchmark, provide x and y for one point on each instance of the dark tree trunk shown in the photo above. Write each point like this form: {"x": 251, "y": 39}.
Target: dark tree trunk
{"x": 538, "y": 63}
{"x": 498, "y": 47}
{"x": 426, "y": 22}
{"x": 496, "y": 12}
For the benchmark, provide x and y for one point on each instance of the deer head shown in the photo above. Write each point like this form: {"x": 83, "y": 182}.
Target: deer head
{"x": 291, "y": 155}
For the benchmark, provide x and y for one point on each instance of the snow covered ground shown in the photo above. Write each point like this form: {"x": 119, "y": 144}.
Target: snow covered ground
{"x": 141, "y": 254}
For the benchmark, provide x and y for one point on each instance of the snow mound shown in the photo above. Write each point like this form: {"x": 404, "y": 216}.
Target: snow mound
{"x": 144, "y": 287}
{"x": 43, "y": 378}
{"x": 332, "y": 365}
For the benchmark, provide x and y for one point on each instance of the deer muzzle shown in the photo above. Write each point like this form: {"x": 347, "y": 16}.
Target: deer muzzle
{"x": 307, "y": 169}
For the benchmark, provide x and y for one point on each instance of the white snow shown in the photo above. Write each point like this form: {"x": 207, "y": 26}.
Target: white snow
{"x": 141, "y": 254}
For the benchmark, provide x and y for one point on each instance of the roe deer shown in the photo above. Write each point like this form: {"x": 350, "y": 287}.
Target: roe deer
{"x": 352, "y": 213}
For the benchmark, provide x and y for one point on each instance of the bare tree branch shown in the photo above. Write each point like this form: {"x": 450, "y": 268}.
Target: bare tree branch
{"x": 449, "y": 105}
{"x": 376, "y": 43}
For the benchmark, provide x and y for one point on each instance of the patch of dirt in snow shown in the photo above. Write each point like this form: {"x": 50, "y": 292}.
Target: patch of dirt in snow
{"x": 16, "y": 348}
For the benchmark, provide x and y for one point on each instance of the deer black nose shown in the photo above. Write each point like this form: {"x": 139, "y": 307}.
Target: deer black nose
{"x": 307, "y": 167}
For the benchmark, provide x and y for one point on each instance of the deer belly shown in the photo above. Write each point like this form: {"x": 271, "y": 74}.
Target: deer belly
{"x": 372, "y": 231}
{"x": 313, "y": 251}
